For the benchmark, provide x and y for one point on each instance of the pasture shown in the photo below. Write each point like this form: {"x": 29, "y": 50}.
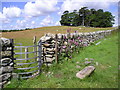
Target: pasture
{"x": 62, "y": 75}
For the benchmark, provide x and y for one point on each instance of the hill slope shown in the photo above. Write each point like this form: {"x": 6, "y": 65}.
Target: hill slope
{"x": 27, "y": 35}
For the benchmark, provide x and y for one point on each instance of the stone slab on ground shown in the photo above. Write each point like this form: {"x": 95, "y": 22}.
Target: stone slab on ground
{"x": 85, "y": 72}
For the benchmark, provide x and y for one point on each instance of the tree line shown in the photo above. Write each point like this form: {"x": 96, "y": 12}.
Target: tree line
{"x": 15, "y": 30}
{"x": 87, "y": 17}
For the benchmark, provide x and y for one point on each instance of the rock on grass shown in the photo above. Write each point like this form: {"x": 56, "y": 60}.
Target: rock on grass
{"x": 85, "y": 72}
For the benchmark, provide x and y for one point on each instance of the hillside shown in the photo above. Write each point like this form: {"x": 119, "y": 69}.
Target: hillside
{"x": 27, "y": 35}
{"x": 62, "y": 75}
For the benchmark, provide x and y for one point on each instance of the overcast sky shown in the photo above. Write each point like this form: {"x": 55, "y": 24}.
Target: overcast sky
{"x": 38, "y": 13}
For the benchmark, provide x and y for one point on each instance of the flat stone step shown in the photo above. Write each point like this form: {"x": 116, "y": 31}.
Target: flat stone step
{"x": 85, "y": 72}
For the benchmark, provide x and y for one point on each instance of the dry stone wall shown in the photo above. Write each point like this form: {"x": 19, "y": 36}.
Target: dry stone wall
{"x": 6, "y": 60}
{"x": 68, "y": 43}
{"x": 53, "y": 46}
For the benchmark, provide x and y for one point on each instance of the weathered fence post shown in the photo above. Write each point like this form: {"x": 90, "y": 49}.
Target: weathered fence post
{"x": 56, "y": 46}
{"x": 34, "y": 40}
{"x": 26, "y": 55}
{"x": 12, "y": 51}
{"x": 34, "y": 43}
{"x": 21, "y": 52}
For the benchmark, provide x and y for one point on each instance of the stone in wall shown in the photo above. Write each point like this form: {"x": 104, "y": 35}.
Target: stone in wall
{"x": 51, "y": 53}
{"x": 46, "y": 45}
{"x": 59, "y": 35}
{"x": 49, "y": 56}
{"x": 65, "y": 43}
{"x": 6, "y": 69}
{"x": 4, "y": 41}
{"x": 4, "y": 48}
{"x": 5, "y": 53}
{"x": 5, "y": 76}
{"x": 45, "y": 38}
{"x": 5, "y": 61}
{"x": 50, "y": 35}
{"x": 49, "y": 59}
{"x": 2, "y": 83}
{"x": 53, "y": 41}
{"x": 50, "y": 49}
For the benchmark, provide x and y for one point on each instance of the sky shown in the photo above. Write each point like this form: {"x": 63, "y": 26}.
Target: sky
{"x": 21, "y": 14}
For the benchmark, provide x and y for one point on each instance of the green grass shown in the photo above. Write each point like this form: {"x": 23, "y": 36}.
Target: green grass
{"x": 63, "y": 75}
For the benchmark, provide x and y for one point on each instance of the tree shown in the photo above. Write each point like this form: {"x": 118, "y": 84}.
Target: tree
{"x": 102, "y": 19}
{"x": 108, "y": 19}
{"x": 65, "y": 19}
{"x": 87, "y": 17}
{"x": 69, "y": 19}
{"x": 82, "y": 13}
{"x": 74, "y": 18}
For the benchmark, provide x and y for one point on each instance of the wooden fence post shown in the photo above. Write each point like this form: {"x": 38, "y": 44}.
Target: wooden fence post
{"x": 61, "y": 44}
{"x": 56, "y": 48}
{"x": 34, "y": 40}
{"x": 12, "y": 50}
{"x": 26, "y": 55}
{"x": 34, "y": 43}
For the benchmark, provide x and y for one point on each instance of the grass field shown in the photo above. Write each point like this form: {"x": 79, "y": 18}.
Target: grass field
{"x": 62, "y": 75}
{"x": 25, "y": 37}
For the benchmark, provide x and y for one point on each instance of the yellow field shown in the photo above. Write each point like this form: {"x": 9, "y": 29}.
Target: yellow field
{"x": 27, "y": 35}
